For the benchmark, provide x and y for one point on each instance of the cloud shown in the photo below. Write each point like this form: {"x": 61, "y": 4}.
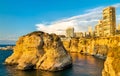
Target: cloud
{"x": 95, "y": 9}
{"x": 116, "y": 5}
{"x": 79, "y": 22}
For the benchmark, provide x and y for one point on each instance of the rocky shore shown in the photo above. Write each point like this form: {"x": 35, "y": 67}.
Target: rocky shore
{"x": 107, "y": 48}
{"x": 94, "y": 46}
{"x": 39, "y": 50}
{"x": 7, "y": 48}
{"x": 112, "y": 63}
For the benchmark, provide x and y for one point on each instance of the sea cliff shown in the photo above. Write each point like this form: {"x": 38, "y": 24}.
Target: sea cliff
{"x": 39, "y": 50}
{"x": 105, "y": 47}
{"x": 112, "y": 63}
{"x": 93, "y": 46}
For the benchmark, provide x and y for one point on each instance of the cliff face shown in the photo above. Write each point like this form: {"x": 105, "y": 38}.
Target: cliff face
{"x": 93, "y": 46}
{"x": 96, "y": 46}
{"x": 112, "y": 63}
{"x": 39, "y": 50}
{"x": 102, "y": 47}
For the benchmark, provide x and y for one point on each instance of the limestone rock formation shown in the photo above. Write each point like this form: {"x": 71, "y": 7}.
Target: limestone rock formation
{"x": 101, "y": 47}
{"x": 74, "y": 45}
{"x": 66, "y": 43}
{"x": 112, "y": 63}
{"x": 39, "y": 50}
{"x": 94, "y": 46}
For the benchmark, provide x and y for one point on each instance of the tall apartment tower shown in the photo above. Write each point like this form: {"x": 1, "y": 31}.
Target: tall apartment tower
{"x": 70, "y": 32}
{"x": 99, "y": 29}
{"x": 109, "y": 21}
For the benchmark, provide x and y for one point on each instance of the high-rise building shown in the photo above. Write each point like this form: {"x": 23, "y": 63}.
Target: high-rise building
{"x": 99, "y": 29}
{"x": 70, "y": 32}
{"x": 109, "y": 21}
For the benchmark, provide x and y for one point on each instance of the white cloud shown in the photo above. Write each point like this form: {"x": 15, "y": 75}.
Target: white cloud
{"x": 116, "y": 5}
{"x": 79, "y": 22}
{"x": 95, "y": 9}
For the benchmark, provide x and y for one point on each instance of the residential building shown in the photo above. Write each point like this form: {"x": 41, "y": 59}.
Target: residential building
{"x": 109, "y": 21}
{"x": 70, "y": 32}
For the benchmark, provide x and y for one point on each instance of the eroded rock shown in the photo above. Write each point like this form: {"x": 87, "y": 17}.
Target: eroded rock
{"x": 112, "y": 63}
{"x": 39, "y": 50}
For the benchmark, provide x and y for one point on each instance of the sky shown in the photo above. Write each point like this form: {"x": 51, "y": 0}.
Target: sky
{"x": 19, "y": 17}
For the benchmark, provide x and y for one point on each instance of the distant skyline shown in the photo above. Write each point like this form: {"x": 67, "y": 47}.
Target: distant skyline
{"x": 19, "y": 17}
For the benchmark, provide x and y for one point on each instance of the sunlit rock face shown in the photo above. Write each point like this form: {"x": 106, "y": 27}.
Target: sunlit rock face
{"x": 93, "y": 46}
{"x": 112, "y": 63}
{"x": 39, "y": 50}
{"x": 66, "y": 43}
{"x": 101, "y": 47}
{"x": 74, "y": 45}
{"x": 104, "y": 47}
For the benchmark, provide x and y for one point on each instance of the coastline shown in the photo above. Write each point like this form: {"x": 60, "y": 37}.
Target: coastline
{"x": 6, "y": 47}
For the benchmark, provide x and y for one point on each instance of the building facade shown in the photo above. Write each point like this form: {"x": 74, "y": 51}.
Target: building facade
{"x": 70, "y": 32}
{"x": 99, "y": 29}
{"x": 109, "y": 21}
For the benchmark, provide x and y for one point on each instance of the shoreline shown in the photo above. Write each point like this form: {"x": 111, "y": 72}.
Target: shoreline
{"x": 9, "y": 47}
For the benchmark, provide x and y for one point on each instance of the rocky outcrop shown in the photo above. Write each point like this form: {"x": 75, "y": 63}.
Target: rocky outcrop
{"x": 74, "y": 45}
{"x": 112, "y": 63}
{"x": 10, "y": 47}
{"x": 66, "y": 43}
{"x": 101, "y": 47}
{"x": 39, "y": 50}
{"x": 93, "y": 46}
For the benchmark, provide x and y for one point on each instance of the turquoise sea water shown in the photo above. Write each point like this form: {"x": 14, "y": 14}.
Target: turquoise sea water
{"x": 82, "y": 66}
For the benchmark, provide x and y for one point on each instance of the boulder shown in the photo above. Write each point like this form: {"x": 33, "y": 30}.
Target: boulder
{"x": 39, "y": 50}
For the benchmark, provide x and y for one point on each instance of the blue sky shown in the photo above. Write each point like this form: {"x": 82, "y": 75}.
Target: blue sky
{"x": 18, "y": 17}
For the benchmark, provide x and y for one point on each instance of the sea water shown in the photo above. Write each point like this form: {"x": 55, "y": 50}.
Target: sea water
{"x": 83, "y": 65}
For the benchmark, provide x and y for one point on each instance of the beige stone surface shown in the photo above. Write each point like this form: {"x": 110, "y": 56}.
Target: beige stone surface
{"x": 39, "y": 50}
{"x": 74, "y": 45}
{"x": 112, "y": 63}
{"x": 101, "y": 47}
{"x": 93, "y": 46}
